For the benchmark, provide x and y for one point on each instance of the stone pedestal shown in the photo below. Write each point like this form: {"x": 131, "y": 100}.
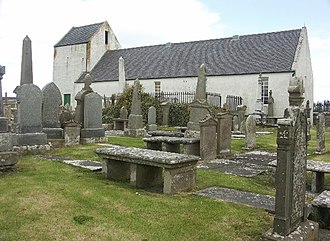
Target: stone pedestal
{"x": 53, "y": 133}
{"x": 72, "y": 135}
{"x": 3, "y": 124}
{"x": 306, "y": 231}
{"x": 8, "y": 160}
{"x": 199, "y": 111}
{"x": 135, "y": 126}
{"x": 31, "y": 139}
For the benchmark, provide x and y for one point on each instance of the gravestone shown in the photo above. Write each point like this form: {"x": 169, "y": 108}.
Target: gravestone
{"x": 3, "y": 120}
{"x": 80, "y": 96}
{"x": 270, "y": 104}
{"x": 199, "y": 107}
{"x": 152, "y": 114}
{"x": 135, "y": 119}
{"x": 241, "y": 109}
{"x": 235, "y": 123}
{"x": 8, "y": 157}
{"x": 51, "y": 101}
{"x": 166, "y": 112}
{"x": 320, "y": 134}
{"x": 250, "y": 132}
{"x": 208, "y": 138}
{"x": 29, "y": 106}
{"x": 121, "y": 122}
{"x": 92, "y": 124}
{"x": 290, "y": 221}
{"x": 123, "y": 113}
{"x": 224, "y": 134}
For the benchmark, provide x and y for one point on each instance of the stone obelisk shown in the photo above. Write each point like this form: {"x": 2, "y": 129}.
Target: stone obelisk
{"x": 26, "y": 66}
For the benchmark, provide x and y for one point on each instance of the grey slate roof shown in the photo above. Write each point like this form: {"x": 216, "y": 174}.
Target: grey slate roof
{"x": 79, "y": 35}
{"x": 258, "y": 53}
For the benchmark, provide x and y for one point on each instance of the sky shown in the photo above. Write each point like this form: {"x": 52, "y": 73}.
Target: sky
{"x": 149, "y": 22}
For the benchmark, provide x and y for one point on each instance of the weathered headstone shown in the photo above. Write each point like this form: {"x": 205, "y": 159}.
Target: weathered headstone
{"x": 3, "y": 120}
{"x": 51, "y": 101}
{"x": 123, "y": 113}
{"x": 29, "y": 106}
{"x": 152, "y": 115}
{"x": 26, "y": 65}
{"x": 241, "y": 109}
{"x": 166, "y": 112}
{"x": 199, "y": 107}
{"x": 92, "y": 124}
{"x": 270, "y": 104}
{"x": 135, "y": 119}
{"x": 250, "y": 132}
{"x": 224, "y": 134}
{"x": 80, "y": 96}
{"x": 8, "y": 158}
{"x": 235, "y": 123}
{"x": 320, "y": 134}
{"x": 290, "y": 221}
{"x": 208, "y": 138}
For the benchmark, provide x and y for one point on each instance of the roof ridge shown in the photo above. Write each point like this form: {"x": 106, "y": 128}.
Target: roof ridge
{"x": 88, "y": 25}
{"x": 205, "y": 40}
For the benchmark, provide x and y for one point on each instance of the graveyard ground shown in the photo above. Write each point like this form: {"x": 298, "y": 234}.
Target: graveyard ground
{"x": 49, "y": 200}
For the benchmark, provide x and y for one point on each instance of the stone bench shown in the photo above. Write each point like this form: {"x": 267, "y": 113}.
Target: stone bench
{"x": 172, "y": 144}
{"x": 120, "y": 124}
{"x": 321, "y": 209}
{"x": 149, "y": 168}
{"x": 318, "y": 170}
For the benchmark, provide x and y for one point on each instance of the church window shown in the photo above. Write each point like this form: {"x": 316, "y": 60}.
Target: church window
{"x": 106, "y": 37}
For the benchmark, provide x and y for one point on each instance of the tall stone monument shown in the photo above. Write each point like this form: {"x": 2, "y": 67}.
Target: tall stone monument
{"x": 135, "y": 119}
{"x": 199, "y": 107}
{"x": 290, "y": 221}
{"x": 51, "y": 101}
{"x": 121, "y": 75}
{"x": 29, "y": 103}
{"x": 320, "y": 134}
{"x": 26, "y": 65}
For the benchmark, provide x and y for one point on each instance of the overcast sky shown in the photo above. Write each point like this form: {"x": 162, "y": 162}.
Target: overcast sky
{"x": 147, "y": 22}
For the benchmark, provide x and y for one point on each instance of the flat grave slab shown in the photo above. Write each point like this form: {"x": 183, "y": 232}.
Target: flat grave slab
{"x": 266, "y": 202}
{"x": 249, "y": 164}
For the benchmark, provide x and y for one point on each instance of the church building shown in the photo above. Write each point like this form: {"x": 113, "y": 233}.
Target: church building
{"x": 234, "y": 65}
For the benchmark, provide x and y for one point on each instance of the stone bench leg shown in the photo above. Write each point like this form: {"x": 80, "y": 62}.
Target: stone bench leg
{"x": 179, "y": 179}
{"x": 143, "y": 176}
{"x": 317, "y": 182}
{"x": 192, "y": 149}
{"x": 153, "y": 145}
{"x": 172, "y": 147}
{"x": 116, "y": 170}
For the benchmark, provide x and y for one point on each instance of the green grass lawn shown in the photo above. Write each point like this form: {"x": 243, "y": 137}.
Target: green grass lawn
{"x": 49, "y": 200}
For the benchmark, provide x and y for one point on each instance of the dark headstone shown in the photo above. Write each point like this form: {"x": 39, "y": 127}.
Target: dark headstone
{"x": 51, "y": 101}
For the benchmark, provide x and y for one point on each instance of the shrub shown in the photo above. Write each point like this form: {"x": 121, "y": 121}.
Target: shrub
{"x": 178, "y": 114}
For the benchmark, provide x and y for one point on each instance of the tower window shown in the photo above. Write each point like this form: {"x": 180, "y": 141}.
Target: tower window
{"x": 106, "y": 37}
